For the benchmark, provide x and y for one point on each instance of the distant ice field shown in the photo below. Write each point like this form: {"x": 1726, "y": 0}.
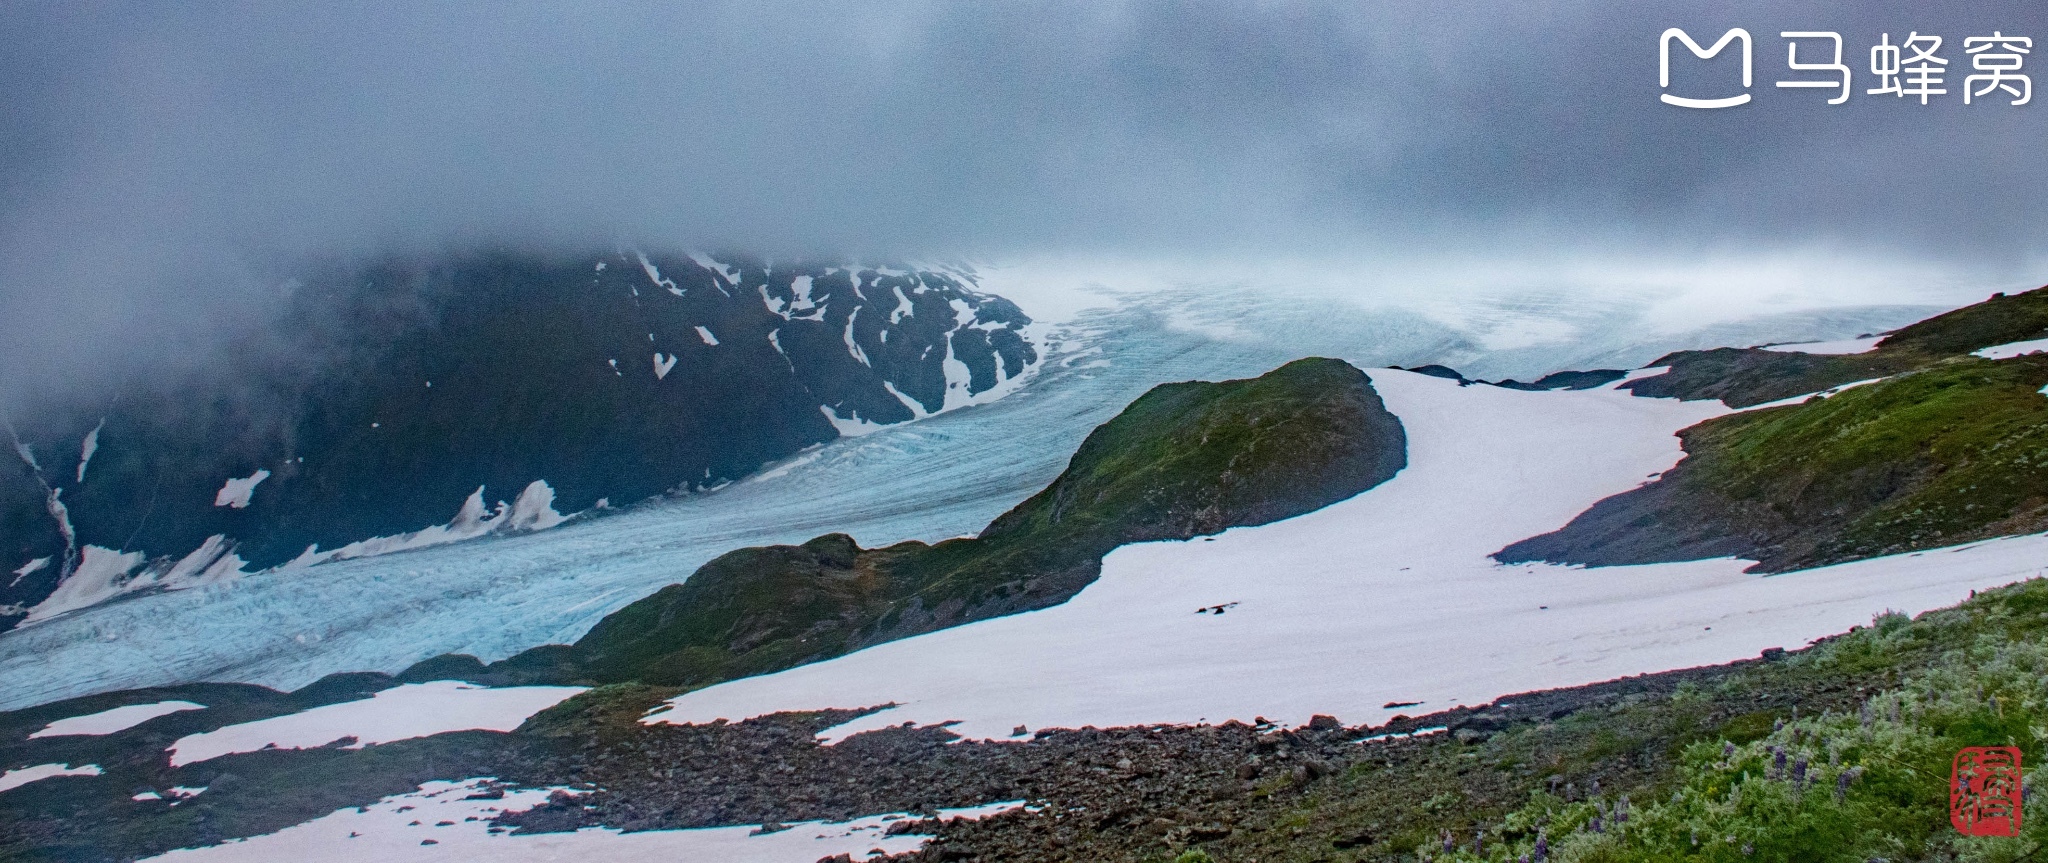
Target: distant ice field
{"x": 929, "y": 480}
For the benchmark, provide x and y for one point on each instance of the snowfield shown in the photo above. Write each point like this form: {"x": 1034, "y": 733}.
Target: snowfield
{"x": 13, "y": 779}
{"x": 436, "y": 823}
{"x": 412, "y": 710}
{"x": 1387, "y": 597}
{"x": 117, "y": 719}
{"x": 2012, "y": 349}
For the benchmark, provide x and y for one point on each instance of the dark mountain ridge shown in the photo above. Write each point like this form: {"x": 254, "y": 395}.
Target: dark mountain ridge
{"x": 502, "y": 389}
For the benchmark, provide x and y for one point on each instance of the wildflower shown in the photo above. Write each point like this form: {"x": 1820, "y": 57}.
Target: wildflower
{"x": 1777, "y": 764}
{"x": 1621, "y": 810}
{"x": 1728, "y": 749}
{"x": 1449, "y": 845}
{"x": 1595, "y": 825}
{"x": 1542, "y": 851}
{"x": 1479, "y": 842}
{"x": 1799, "y": 771}
{"x": 1843, "y": 782}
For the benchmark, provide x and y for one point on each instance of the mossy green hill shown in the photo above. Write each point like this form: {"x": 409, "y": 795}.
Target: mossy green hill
{"x": 1183, "y": 460}
{"x": 1947, "y": 448}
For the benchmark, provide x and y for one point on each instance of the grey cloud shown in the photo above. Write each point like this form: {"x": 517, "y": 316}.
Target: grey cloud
{"x": 162, "y": 165}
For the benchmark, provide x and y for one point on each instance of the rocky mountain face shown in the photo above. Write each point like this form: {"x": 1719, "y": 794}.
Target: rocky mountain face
{"x": 417, "y": 401}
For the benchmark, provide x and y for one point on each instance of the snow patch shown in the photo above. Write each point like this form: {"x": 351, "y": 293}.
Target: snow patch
{"x": 706, "y": 336}
{"x": 13, "y": 779}
{"x": 29, "y": 568}
{"x": 903, "y": 307}
{"x": 400, "y": 713}
{"x": 654, "y": 275}
{"x": 662, "y": 364}
{"x": 396, "y": 829}
{"x": 532, "y": 510}
{"x": 1839, "y": 346}
{"x": 102, "y": 574}
{"x": 729, "y": 275}
{"x": 117, "y": 719}
{"x": 853, "y": 347}
{"x": 849, "y": 427}
{"x": 235, "y": 493}
{"x": 2012, "y": 349}
{"x": 1793, "y": 400}
{"x": 90, "y": 445}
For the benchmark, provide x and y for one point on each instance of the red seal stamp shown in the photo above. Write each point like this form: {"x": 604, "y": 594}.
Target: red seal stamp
{"x": 1984, "y": 791}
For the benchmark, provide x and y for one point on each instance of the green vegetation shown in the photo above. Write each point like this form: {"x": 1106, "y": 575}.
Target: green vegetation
{"x": 1869, "y": 781}
{"x": 1886, "y": 705}
{"x": 1954, "y": 452}
{"x": 1744, "y": 377}
{"x": 1183, "y": 460}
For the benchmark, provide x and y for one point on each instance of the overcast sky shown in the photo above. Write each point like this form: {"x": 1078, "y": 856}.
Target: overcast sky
{"x": 160, "y": 162}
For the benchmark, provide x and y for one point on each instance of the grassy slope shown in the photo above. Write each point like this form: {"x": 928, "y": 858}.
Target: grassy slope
{"x": 1948, "y": 449}
{"x": 1748, "y": 376}
{"x": 1974, "y": 675}
{"x": 1183, "y": 460}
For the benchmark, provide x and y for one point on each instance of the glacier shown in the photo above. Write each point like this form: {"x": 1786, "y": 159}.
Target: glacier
{"x": 941, "y": 476}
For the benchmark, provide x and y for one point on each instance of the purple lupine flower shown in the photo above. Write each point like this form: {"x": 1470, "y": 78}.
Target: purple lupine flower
{"x": 1595, "y": 825}
{"x": 1542, "y": 847}
{"x": 1843, "y": 782}
{"x": 1799, "y": 771}
{"x": 1777, "y": 763}
{"x": 1864, "y": 716}
{"x": 1728, "y": 749}
{"x": 1621, "y": 810}
{"x": 1449, "y": 844}
{"x": 1479, "y": 842}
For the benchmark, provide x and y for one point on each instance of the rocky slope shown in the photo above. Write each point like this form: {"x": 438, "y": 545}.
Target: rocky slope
{"x": 1183, "y": 460}
{"x": 1946, "y": 449}
{"x": 1539, "y": 763}
{"x": 428, "y": 400}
